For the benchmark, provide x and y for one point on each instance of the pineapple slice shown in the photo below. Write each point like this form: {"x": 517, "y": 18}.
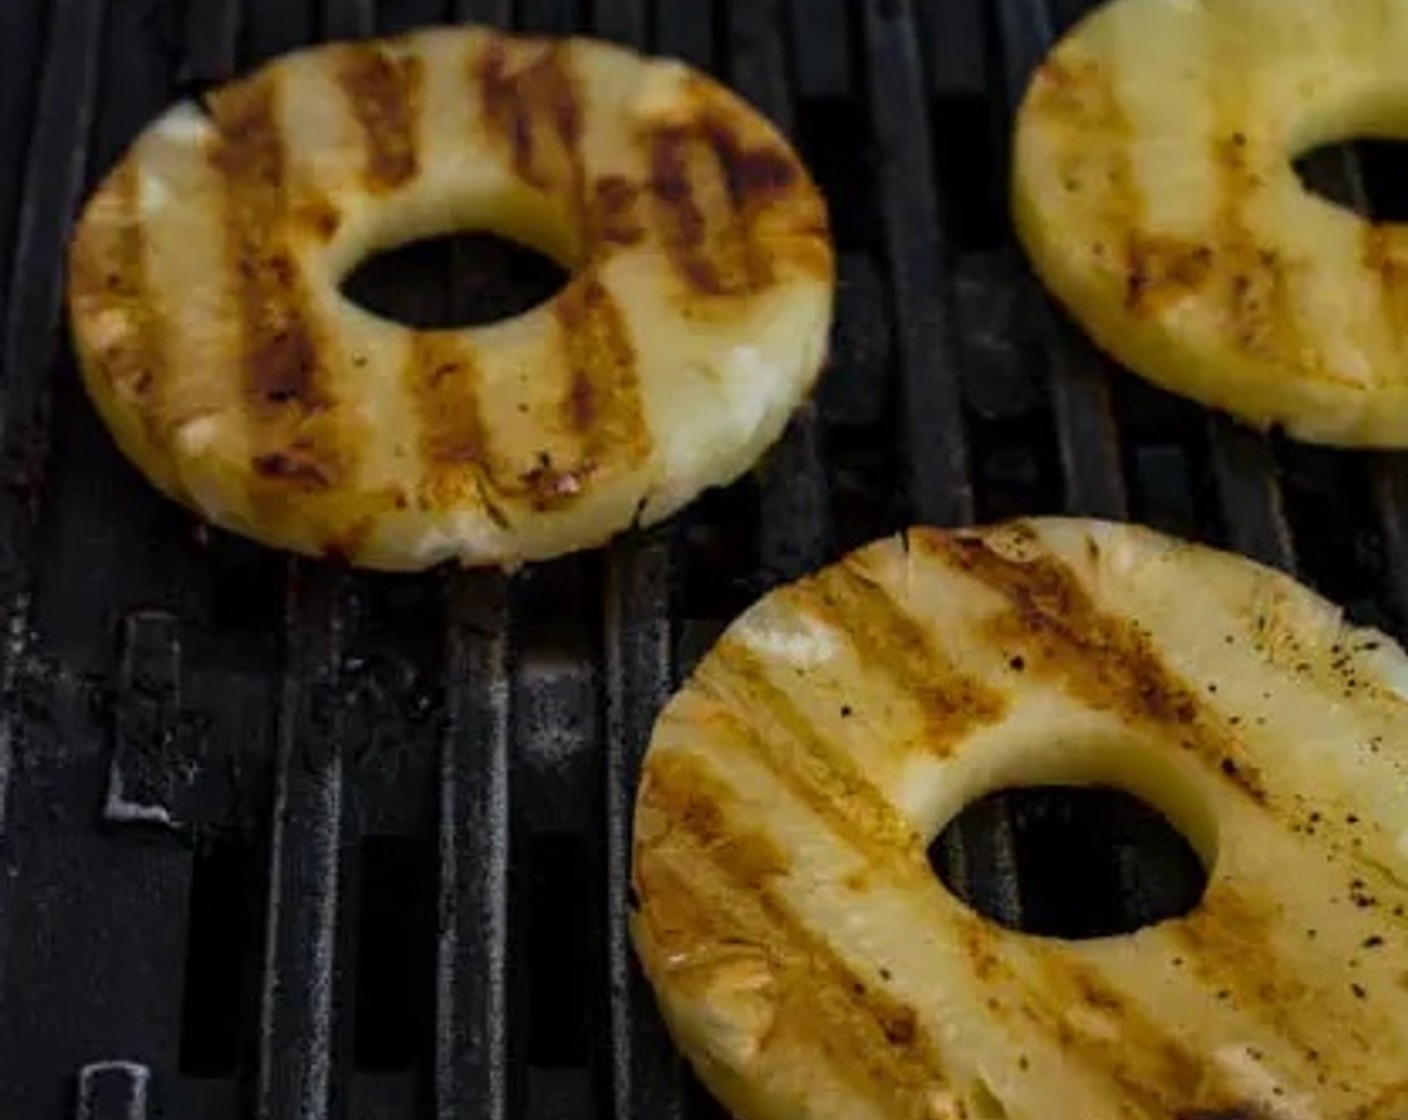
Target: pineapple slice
{"x": 215, "y": 341}
{"x": 1155, "y": 194}
{"x": 809, "y": 962}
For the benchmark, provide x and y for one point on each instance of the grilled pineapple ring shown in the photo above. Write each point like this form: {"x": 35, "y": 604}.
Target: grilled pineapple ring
{"x": 810, "y": 963}
{"x": 215, "y": 341}
{"x": 1155, "y": 193}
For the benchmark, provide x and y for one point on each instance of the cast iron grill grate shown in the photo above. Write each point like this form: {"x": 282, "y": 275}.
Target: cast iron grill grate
{"x": 281, "y": 841}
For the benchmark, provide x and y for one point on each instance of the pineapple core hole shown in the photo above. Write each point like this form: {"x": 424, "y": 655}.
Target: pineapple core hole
{"x": 1070, "y": 862}
{"x": 460, "y": 280}
{"x": 1369, "y": 177}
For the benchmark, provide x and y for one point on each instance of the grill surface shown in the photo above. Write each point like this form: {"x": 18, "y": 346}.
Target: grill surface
{"x": 281, "y": 841}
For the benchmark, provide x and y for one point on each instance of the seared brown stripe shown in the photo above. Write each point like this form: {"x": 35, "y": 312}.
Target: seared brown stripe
{"x": 682, "y": 221}
{"x": 293, "y": 433}
{"x": 1076, "y": 98}
{"x": 615, "y": 216}
{"x": 598, "y": 428}
{"x": 888, "y": 642}
{"x": 755, "y": 177}
{"x": 533, "y": 110}
{"x": 1140, "y": 1062}
{"x": 1394, "y": 1096}
{"x": 713, "y": 250}
{"x": 707, "y": 885}
{"x": 318, "y": 215}
{"x": 1105, "y": 660}
{"x": 385, "y": 95}
{"x": 109, "y": 284}
{"x": 1162, "y": 270}
{"x": 602, "y": 404}
{"x": 764, "y": 722}
{"x": 1386, "y": 256}
{"x": 1256, "y": 293}
{"x": 443, "y": 383}
{"x": 1139, "y": 1057}
{"x": 1229, "y": 938}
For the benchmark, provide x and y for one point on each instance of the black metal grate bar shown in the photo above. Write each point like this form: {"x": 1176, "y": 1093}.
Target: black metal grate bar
{"x": 348, "y": 19}
{"x": 495, "y": 13}
{"x": 621, "y": 20}
{"x": 1249, "y": 494}
{"x": 794, "y": 524}
{"x": 141, "y": 779}
{"x": 295, "y": 1079}
{"x": 1086, "y": 430}
{"x": 112, "y": 1091}
{"x": 645, "y": 1074}
{"x": 21, "y": 29}
{"x": 56, "y": 164}
{"x": 471, "y": 1040}
{"x": 918, "y": 259}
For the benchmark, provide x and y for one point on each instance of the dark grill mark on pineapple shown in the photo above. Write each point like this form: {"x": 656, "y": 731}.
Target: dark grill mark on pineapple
{"x": 1105, "y": 660}
{"x": 385, "y": 93}
{"x": 294, "y": 434}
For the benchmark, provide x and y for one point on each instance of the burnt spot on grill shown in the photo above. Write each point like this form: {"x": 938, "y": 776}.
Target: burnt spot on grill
{"x": 581, "y": 401}
{"x": 1106, "y": 660}
{"x": 319, "y": 216}
{"x": 301, "y": 465}
{"x": 283, "y": 367}
{"x": 534, "y": 109}
{"x": 615, "y": 214}
{"x": 385, "y": 93}
{"x": 549, "y": 486}
{"x": 1163, "y": 270}
{"x": 344, "y": 547}
{"x": 899, "y": 1023}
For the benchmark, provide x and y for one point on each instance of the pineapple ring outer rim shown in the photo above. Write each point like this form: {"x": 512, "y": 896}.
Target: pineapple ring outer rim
{"x": 720, "y": 996}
